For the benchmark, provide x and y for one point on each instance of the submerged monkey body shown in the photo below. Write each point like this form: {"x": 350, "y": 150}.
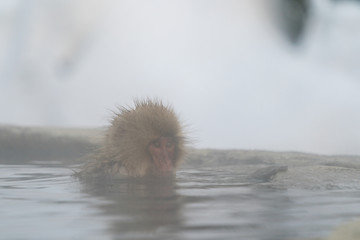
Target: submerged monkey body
{"x": 142, "y": 141}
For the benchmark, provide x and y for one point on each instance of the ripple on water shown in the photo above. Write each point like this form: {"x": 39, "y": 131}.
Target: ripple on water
{"x": 48, "y": 203}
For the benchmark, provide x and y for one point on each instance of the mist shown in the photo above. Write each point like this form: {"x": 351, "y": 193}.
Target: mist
{"x": 227, "y": 67}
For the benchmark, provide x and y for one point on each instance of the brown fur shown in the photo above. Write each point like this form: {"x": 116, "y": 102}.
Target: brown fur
{"x": 125, "y": 149}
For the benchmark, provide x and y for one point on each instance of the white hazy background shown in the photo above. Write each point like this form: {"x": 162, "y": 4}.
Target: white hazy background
{"x": 224, "y": 65}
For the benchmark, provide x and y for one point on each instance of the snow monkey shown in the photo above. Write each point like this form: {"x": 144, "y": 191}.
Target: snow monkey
{"x": 141, "y": 141}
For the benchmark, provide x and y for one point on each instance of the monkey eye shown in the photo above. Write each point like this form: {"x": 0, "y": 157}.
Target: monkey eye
{"x": 156, "y": 143}
{"x": 169, "y": 144}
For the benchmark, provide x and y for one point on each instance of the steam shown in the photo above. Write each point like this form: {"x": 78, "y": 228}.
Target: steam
{"x": 226, "y": 69}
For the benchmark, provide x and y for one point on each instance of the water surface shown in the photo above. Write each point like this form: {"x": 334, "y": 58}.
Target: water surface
{"x": 44, "y": 201}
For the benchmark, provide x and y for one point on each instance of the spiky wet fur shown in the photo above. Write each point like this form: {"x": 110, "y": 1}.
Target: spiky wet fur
{"x": 125, "y": 149}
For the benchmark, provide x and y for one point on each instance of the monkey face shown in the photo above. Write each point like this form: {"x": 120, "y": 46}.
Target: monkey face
{"x": 162, "y": 151}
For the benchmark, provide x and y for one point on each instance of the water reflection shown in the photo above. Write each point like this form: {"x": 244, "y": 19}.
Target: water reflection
{"x": 216, "y": 203}
{"x": 203, "y": 203}
{"x": 200, "y": 204}
{"x": 138, "y": 207}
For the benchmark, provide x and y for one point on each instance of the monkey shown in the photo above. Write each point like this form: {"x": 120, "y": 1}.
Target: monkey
{"x": 144, "y": 140}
